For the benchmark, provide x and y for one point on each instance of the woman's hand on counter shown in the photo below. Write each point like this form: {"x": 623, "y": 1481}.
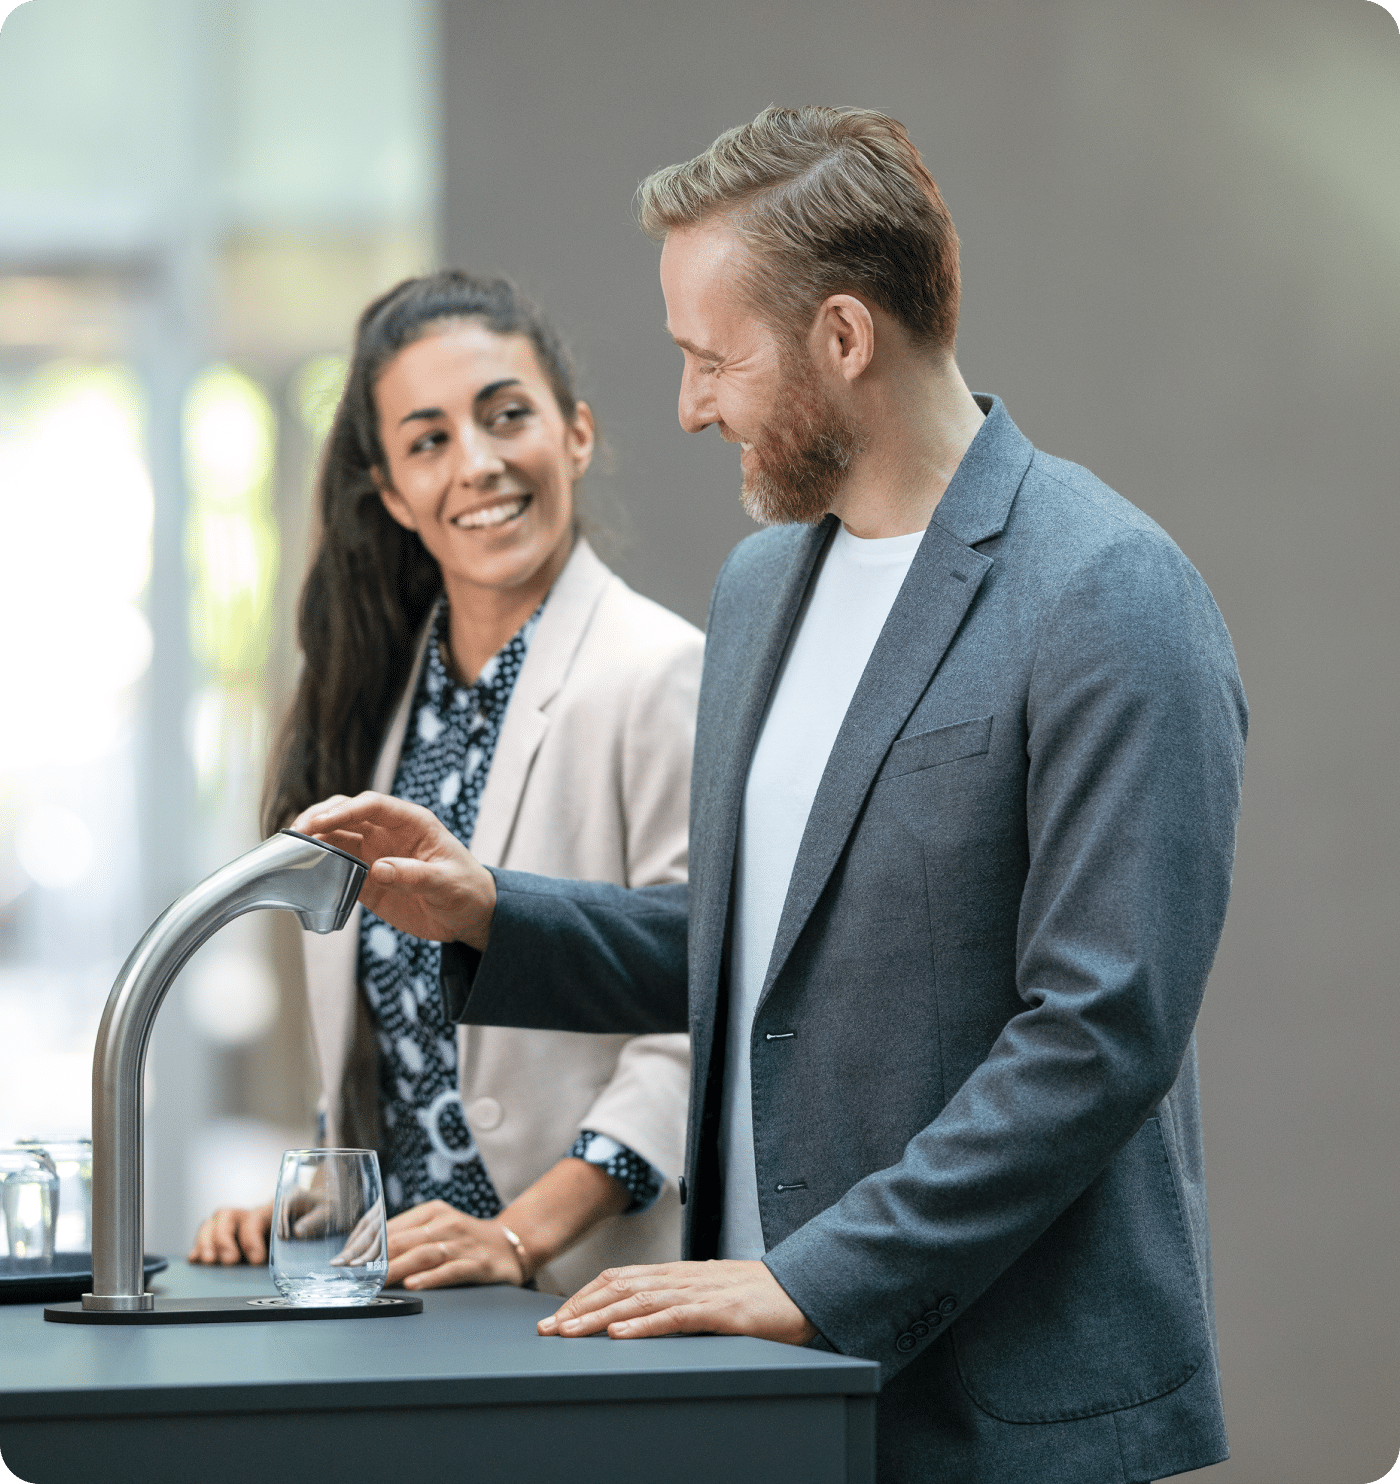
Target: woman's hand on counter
{"x": 233, "y": 1234}
{"x": 683, "y": 1298}
{"x": 422, "y": 879}
{"x": 437, "y": 1246}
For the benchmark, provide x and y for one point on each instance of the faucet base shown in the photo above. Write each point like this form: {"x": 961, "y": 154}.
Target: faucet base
{"x": 118, "y": 1303}
{"x": 247, "y": 1310}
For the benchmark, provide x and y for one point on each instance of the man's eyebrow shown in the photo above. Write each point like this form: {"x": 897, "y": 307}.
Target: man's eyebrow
{"x": 690, "y": 345}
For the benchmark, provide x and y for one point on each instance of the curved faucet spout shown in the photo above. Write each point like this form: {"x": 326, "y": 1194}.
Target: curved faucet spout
{"x": 291, "y": 871}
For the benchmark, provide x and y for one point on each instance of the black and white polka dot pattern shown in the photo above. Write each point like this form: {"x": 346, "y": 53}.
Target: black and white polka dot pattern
{"x": 643, "y": 1181}
{"x": 425, "y": 1144}
{"x": 428, "y": 1150}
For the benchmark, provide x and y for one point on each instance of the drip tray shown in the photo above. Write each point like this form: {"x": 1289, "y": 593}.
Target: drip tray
{"x": 231, "y": 1311}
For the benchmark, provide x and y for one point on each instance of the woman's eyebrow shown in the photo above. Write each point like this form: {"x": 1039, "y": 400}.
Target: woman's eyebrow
{"x": 487, "y": 392}
{"x": 427, "y": 414}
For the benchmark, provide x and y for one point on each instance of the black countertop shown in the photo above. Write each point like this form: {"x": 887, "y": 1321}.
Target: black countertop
{"x": 469, "y": 1347}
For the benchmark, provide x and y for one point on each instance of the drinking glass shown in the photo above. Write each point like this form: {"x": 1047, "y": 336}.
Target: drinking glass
{"x": 29, "y": 1197}
{"x": 72, "y": 1158}
{"x": 328, "y": 1240}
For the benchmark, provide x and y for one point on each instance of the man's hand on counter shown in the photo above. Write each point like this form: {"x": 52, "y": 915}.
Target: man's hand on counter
{"x": 233, "y": 1235}
{"x": 421, "y": 880}
{"x": 683, "y": 1298}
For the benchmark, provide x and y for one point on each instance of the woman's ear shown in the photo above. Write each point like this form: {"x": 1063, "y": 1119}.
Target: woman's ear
{"x": 579, "y": 439}
{"x": 394, "y": 502}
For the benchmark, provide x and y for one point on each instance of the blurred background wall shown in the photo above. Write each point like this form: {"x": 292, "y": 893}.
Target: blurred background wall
{"x": 1181, "y": 229}
{"x": 1180, "y": 223}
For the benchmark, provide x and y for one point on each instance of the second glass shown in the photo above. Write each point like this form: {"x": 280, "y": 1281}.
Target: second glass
{"x": 72, "y": 1158}
{"x": 29, "y": 1197}
{"x": 328, "y": 1240}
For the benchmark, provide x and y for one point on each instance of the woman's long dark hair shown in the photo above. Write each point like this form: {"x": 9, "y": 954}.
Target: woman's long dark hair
{"x": 372, "y": 583}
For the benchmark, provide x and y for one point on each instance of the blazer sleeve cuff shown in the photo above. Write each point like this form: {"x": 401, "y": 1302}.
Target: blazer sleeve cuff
{"x": 459, "y": 965}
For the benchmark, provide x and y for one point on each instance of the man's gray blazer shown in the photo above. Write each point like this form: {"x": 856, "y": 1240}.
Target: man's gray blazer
{"x": 975, "y": 1109}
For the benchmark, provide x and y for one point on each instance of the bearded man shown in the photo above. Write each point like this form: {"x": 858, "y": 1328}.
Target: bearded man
{"x": 966, "y": 782}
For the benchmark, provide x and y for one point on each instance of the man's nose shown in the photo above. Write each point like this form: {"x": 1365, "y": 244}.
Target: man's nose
{"x": 695, "y": 407}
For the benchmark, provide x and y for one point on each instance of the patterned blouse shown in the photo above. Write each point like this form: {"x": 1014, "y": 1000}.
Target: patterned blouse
{"x": 428, "y": 1150}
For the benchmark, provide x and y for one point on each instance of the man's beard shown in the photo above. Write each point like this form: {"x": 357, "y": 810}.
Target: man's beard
{"x": 803, "y": 463}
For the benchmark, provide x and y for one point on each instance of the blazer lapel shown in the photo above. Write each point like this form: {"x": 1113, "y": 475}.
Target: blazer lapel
{"x": 572, "y": 601}
{"x": 943, "y": 581}
{"x": 734, "y": 698}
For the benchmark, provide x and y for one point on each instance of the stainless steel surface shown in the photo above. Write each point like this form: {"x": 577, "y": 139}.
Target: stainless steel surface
{"x": 289, "y": 871}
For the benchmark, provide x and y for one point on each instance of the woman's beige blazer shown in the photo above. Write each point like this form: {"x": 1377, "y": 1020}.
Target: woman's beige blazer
{"x": 590, "y": 780}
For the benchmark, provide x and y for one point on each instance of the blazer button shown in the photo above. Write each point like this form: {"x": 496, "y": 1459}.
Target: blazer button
{"x": 947, "y": 1305}
{"x": 905, "y": 1343}
{"x": 933, "y": 1319}
{"x": 484, "y": 1114}
{"x": 684, "y": 1188}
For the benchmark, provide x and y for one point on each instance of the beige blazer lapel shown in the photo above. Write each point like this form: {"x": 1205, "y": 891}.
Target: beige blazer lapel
{"x": 566, "y": 615}
{"x": 330, "y": 957}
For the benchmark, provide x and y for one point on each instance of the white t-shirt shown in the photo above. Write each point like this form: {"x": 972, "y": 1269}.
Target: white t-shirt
{"x": 845, "y": 610}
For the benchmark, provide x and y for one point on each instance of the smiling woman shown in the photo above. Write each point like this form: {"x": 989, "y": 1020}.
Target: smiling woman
{"x": 466, "y": 651}
{"x": 480, "y": 461}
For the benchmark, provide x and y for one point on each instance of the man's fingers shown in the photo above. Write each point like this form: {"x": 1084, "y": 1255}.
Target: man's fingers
{"x": 617, "y": 1296}
{"x": 406, "y": 874}
{"x": 675, "y": 1319}
{"x": 325, "y": 809}
{"x": 722, "y": 1297}
{"x": 628, "y": 1307}
{"x": 609, "y": 1286}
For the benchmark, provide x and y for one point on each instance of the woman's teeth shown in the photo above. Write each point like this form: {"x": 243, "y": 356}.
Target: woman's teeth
{"x": 493, "y": 515}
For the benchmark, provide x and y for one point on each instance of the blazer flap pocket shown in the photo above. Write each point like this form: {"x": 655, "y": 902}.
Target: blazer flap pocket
{"x": 941, "y": 745}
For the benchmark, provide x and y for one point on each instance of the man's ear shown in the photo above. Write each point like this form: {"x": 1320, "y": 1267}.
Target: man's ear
{"x": 580, "y": 439}
{"x": 394, "y": 502}
{"x": 843, "y": 334}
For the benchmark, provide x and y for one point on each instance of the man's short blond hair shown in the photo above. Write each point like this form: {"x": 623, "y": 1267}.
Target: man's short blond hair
{"x": 829, "y": 201}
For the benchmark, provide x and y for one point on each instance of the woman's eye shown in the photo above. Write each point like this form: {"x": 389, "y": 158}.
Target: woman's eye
{"x": 511, "y": 413}
{"x": 427, "y": 441}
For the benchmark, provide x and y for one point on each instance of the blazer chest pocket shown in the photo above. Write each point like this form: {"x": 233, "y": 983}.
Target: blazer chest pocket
{"x": 941, "y": 745}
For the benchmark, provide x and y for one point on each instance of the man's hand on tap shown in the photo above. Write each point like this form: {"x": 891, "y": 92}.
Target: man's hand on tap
{"x": 421, "y": 880}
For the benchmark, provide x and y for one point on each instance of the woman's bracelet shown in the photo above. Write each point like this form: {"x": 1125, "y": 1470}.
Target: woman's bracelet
{"x": 521, "y": 1256}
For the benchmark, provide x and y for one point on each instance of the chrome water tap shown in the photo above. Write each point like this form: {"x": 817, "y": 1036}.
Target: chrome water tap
{"x": 289, "y": 871}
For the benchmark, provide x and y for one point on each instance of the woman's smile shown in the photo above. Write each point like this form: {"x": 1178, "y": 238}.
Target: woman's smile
{"x": 486, "y": 516}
